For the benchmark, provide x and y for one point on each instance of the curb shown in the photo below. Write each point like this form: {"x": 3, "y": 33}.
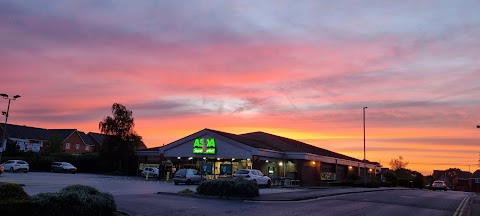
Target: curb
{"x": 123, "y": 212}
{"x": 318, "y": 196}
{"x": 195, "y": 195}
{"x": 271, "y": 200}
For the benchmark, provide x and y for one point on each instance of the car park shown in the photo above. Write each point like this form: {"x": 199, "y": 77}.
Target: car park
{"x": 63, "y": 167}
{"x": 439, "y": 185}
{"x": 16, "y": 165}
{"x": 150, "y": 171}
{"x": 187, "y": 176}
{"x": 253, "y": 175}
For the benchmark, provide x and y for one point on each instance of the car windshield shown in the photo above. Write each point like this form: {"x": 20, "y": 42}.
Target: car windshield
{"x": 181, "y": 172}
{"x": 67, "y": 164}
{"x": 242, "y": 172}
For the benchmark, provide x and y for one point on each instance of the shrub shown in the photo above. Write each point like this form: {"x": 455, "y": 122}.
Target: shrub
{"x": 12, "y": 192}
{"x": 74, "y": 200}
{"x": 390, "y": 176}
{"x": 389, "y": 184}
{"x": 403, "y": 182}
{"x": 419, "y": 181}
{"x": 353, "y": 176}
{"x": 14, "y": 200}
{"x": 229, "y": 188}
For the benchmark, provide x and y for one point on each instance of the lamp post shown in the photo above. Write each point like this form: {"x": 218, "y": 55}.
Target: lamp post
{"x": 4, "y": 142}
{"x": 364, "y": 154}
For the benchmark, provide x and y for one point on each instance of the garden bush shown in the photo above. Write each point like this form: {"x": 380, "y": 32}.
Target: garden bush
{"x": 229, "y": 188}
{"x": 14, "y": 200}
{"x": 74, "y": 200}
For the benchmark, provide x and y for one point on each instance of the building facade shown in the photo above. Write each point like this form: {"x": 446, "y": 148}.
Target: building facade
{"x": 36, "y": 139}
{"x": 219, "y": 154}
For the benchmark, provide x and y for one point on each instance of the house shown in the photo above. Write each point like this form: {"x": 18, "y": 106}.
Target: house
{"x": 457, "y": 180}
{"x": 26, "y": 138}
{"x": 72, "y": 143}
{"x": 36, "y": 139}
{"x": 474, "y": 181}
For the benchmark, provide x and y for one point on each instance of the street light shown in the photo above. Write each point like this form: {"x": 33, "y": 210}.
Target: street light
{"x": 364, "y": 154}
{"x": 4, "y": 142}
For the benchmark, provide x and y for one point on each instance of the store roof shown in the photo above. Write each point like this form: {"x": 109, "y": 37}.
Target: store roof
{"x": 291, "y": 145}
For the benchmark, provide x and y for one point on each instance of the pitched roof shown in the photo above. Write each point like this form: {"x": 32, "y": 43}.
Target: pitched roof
{"x": 290, "y": 145}
{"x": 476, "y": 174}
{"x": 463, "y": 175}
{"x": 62, "y": 133}
{"x": 97, "y": 137}
{"x": 86, "y": 139}
{"x": 246, "y": 140}
{"x": 25, "y": 132}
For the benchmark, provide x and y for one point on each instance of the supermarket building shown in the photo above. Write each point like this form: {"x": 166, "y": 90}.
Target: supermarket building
{"x": 219, "y": 154}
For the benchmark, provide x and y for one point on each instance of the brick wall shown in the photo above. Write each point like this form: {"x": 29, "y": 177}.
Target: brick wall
{"x": 70, "y": 144}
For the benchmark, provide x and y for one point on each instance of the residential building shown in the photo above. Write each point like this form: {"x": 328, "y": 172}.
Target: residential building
{"x": 474, "y": 181}
{"x": 36, "y": 139}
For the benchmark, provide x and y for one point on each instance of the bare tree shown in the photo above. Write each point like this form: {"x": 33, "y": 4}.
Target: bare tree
{"x": 398, "y": 163}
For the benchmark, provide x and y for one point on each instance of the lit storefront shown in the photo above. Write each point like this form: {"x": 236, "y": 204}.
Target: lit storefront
{"x": 218, "y": 155}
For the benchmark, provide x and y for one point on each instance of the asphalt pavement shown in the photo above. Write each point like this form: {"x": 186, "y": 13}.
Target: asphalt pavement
{"x": 469, "y": 207}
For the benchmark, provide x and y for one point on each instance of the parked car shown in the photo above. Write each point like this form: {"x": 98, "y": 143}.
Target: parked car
{"x": 16, "y": 165}
{"x": 439, "y": 185}
{"x": 187, "y": 176}
{"x": 63, "y": 167}
{"x": 150, "y": 171}
{"x": 1, "y": 169}
{"x": 253, "y": 175}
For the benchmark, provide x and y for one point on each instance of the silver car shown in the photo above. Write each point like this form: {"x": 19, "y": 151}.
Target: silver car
{"x": 16, "y": 165}
{"x": 63, "y": 167}
{"x": 253, "y": 175}
{"x": 187, "y": 176}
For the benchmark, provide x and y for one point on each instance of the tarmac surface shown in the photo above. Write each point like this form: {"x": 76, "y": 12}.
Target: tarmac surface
{"x": 470, "y": 206}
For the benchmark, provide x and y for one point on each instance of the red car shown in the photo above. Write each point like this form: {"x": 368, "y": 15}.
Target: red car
{"x": 1, "y": 169}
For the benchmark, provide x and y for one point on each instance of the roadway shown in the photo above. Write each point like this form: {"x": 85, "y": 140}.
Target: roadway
{"x": 138, "y": 196}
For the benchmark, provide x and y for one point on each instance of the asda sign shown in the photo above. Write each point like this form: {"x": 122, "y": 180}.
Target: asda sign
{"x": 204, "y": 146}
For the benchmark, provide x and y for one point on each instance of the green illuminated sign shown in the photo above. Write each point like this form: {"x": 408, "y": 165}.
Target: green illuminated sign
{"x": 204, "y": 146}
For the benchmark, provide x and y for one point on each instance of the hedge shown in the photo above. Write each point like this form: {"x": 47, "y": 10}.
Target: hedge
{"x": 229, "y": 188}
{"x": 74, "y": 200}
{"x": 14, "y": 200}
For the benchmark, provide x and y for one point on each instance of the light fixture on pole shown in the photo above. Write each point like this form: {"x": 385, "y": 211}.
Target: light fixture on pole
{"x": 4, "y": 142}
{"x": 364, "y": 154}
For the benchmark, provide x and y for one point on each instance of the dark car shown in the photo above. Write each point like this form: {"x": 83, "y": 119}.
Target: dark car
{"x": 187, "y": 176}
{"x": 63, "y": 167}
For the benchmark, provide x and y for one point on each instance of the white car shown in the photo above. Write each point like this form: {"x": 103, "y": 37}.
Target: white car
{"x": 254, "y": 175}
{"x": 63, "y": 167}
{"x": 16, "y": 165}
{"x": 150, "y": 171}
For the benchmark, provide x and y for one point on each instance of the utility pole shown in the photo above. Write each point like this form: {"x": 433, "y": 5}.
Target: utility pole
{"x": 364, "y": 152}
{"x": 3, "y": 145}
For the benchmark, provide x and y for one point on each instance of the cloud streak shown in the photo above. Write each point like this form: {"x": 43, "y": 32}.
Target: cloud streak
{"x": 301, "y": 70}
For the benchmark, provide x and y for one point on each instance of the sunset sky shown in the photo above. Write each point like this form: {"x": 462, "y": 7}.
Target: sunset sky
{"x": 299, "y": 69}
